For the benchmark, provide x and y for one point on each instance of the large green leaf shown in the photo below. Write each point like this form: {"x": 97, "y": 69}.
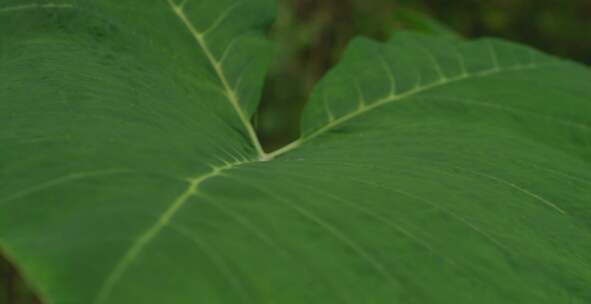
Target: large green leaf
{"x": 429, "y": 170}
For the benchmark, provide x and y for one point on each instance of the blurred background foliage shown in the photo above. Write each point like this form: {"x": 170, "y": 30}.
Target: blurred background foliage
{"x": 312, "y": 34}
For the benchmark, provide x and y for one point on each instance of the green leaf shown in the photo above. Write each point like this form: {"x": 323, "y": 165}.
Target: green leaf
{"x": 429, "y": 170}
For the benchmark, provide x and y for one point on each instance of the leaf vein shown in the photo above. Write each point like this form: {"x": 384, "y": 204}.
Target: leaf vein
{"x": 230, "y": 92}
{"x": 145, "y": 238}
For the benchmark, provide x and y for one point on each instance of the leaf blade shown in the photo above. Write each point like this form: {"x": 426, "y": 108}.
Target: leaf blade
{"x": 476, "y": 188}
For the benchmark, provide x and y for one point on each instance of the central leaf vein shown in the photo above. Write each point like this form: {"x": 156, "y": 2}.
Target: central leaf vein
{"x": 229, "y": 91}
{"x": 366, "y": 107}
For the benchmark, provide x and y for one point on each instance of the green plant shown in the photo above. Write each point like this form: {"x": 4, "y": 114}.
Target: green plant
{"x": 429, "y": 169}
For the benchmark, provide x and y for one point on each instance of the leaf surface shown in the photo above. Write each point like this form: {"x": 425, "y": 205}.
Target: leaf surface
{"x": 429, "y": 170}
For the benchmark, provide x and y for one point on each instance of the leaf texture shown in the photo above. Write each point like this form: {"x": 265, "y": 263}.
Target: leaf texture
{"x": 429, "y": 170}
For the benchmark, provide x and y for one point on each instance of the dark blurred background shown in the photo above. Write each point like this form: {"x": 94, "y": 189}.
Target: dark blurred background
{"x": 311, "y": 35}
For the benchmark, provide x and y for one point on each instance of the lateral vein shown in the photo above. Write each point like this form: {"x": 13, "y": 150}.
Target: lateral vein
{"x": 34, "y": 6}
{"x": 144, "y": 239}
